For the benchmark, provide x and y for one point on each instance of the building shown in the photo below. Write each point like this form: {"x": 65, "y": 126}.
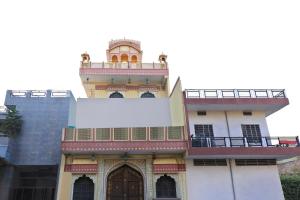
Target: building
{"x": 31, "y": 158}
{"x": 135, "y": 139}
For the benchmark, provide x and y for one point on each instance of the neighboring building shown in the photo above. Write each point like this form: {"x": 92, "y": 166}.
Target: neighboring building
{"x": 134, "y": 139}
{"x": 33, "y": 156}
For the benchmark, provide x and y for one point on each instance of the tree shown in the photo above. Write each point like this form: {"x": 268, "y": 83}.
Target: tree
{"x": 13, "y": 122}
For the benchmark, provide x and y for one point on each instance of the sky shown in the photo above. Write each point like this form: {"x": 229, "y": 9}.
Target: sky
{"x": 210, "y": 44}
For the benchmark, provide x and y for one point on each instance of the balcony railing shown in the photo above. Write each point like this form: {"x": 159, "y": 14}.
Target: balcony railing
{"x": 245, "y": 141}
{"x": 235, "y": 93}
{"x": 171, "y": 133}
{"x": 124, "y": 65}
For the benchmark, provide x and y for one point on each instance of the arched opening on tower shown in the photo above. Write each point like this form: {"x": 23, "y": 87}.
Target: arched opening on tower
{"x": 124, "y": 58}
{"x": 116, "y": 95}
{"x": 134, "y": 59}
{"x": 114, "y": 59}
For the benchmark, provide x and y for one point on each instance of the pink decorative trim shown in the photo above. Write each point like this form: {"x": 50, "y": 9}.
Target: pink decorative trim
{"x": 163, "y": 168}
{"x": 102, "y": 146}
{"x": 127, "y": 87}
{"x": 114, "y": 71}
{"x": 81, "y": 168}
{"x": 249, "y": 151}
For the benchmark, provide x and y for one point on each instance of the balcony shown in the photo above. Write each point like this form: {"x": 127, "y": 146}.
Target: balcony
{"x": 268, "y": 100}
{"x": 244, "y": 147}
{"x": 121, "y": 72}
{"x": 138, "y": 140}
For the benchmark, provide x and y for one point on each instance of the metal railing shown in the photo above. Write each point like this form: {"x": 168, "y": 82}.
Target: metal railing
{"x": 124, "y": 65}
{"x": 245, "y": 141}
{"x": 172, "y": 133}
{"x": 235, "y": 93}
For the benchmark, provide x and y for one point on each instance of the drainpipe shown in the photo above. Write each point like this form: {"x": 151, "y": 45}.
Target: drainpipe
{"x": 230, "y": 160}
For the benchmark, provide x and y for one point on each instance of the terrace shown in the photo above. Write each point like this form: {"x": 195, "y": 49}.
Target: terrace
{"x": 244, "y": 147}
{"x": 268, "y": 100}
{"x": 139, "y": 140}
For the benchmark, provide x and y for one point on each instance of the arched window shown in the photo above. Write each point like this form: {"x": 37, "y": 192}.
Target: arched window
{"x": 83, "y": 189}
{"x": 116, "y": 95}
{"x": 124, "y": 58}
{"x": 134, "y": 59}
{"x": 114, "y": 59}
{"x": 165, "y": 187}
{"x": 147, "y": 95}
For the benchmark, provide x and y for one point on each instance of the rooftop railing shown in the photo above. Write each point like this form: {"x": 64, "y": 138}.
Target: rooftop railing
{"x": 245, "y": 141}
{"x": 235, "y": 93}
{"x": 171, "y": 133}
{"x": 124, "y": 65}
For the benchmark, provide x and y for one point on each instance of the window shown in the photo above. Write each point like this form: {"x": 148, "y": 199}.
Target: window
{"x": 102, "y": 134}
{"x": 165, "y": 187}
{"x": 254, "y": 162}
{"x": 247, "y": 113}
{"x": 174, "y": 132}
{"x": 139, "y": 133}
{"x": 252, "y": 133}
{"x": 147, "y": 95}
{"x": 210, "y": 162}
{"x": 203, "y": 132}
{"x": 116, "y": 95}
{"x": 83, "y": 189}
{"x": 120, "y": 133}
{"x": 157, "y": 133}
{"x": 201, "y": 113}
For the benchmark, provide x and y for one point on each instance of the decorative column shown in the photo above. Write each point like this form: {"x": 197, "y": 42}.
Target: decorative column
{"x": 149, "y": 179}
{"x": 101, "y": 180}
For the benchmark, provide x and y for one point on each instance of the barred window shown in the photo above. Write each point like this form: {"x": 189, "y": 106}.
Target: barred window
{"x": 254, "y": 162}
{"x": 120, "y": 133}
{"x": 252, "y": 133}
{"x": 84, "y": 134}
{"x": 165, "y": 187}
{"x": 204, "y": 130}
{"x": 156, "y": 133}
{"x": 139, "y": 133}
{"x": 69, "y": 133}
{"x": 174, "y": 132}
{"x": 210, "y": 162}
{"x": 102, "y": 134}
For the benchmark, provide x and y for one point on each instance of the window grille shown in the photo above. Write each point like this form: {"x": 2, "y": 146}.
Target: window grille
{"x": 201, "y": 113}
{"x": 139, "y": 133}
{"x": 120, "y": 133}
{"x": 204, "y": 130}
{"x": 69, "y": 133}
{"x": 210, "y": 162}
{"x": 84, "y": 134}
{"x": 83, "y": 189}
{"x": 247, "y": 113}
{"x": 252, "y": 133}
{"x": 116, "y": 95}
{"x": 165, "y": 187}
{"x": 102, "y": 134}
{"x": 147, "y": 95}
{"x": 156, "y": 133}
{"x": 255, "y": 162}
{"x": 174, "y": 132}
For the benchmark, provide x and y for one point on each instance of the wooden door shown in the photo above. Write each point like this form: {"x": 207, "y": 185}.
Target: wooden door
{"x": 125, "y": 183}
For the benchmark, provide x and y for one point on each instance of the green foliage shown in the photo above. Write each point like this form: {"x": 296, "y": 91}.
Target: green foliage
{"x": 291, "y": 186}
{"x": 13, "y": 123}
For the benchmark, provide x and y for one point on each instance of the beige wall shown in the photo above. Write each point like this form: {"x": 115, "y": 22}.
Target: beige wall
{"x": 177, "y": 105}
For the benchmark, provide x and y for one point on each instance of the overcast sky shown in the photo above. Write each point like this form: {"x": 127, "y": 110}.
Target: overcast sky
{"x": 210, "y": 44}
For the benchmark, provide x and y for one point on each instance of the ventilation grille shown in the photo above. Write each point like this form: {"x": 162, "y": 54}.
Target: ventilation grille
{"x": 210, "y": 162}
{"x": 255, "y": 162}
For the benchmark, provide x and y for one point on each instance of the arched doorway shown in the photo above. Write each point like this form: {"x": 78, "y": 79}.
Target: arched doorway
{"x": 83, "y": 189}
{"x": 125, "y": 183}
